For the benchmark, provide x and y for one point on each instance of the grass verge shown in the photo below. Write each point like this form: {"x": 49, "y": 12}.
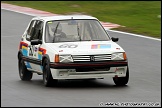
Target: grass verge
{"x": 140, "y": 17}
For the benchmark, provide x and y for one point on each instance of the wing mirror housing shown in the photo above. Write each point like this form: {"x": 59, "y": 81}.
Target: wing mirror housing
{"x": 36, "y": 42}
{"x": 114, "y": 39}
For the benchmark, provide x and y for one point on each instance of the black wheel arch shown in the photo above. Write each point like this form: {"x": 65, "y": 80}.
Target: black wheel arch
{"x": 46, "y": 56}
{"x": 19, "y": 55}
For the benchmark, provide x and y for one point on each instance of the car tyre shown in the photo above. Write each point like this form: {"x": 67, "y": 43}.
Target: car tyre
{"x": 47, "y": 77}
{"x": 24, "y": 74}
{"x": 121, "y": 81}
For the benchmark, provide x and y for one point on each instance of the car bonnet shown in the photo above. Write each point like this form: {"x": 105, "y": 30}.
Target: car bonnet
{"x": 85, "y": 47}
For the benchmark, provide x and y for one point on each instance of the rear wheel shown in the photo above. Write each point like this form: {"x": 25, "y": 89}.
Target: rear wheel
{"x": 47, "y": 77}
{"x": 122, "y": 80}
{"x": 23, "y": 72}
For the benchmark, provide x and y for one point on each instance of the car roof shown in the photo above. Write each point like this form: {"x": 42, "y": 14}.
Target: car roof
{"x": 63, "y": 17}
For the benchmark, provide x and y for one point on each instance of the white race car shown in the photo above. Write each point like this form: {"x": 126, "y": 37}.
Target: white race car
{"x": 70, "y": 47}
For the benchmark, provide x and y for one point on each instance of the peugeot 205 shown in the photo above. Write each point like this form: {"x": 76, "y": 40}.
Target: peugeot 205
{"x": 70, "y": 47}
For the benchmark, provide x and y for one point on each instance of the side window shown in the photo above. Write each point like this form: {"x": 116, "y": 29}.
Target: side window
{"x": 30, "y": 30}
{"x": 40, "y": 27}
{"x": 37, "y": 30}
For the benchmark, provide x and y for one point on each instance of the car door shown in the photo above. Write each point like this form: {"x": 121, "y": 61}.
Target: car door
{"x": 29, "y": 34}
{"x": 32, "y": 33}
{"x": 36, "y": 48}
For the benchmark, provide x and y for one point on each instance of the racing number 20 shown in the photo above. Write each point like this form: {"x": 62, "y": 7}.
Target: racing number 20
{"x": 31, "y": 49}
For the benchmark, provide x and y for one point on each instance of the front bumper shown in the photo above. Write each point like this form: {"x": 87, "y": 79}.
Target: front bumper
{"x": 88, "y": 70}
{"x": 88, "y": 64}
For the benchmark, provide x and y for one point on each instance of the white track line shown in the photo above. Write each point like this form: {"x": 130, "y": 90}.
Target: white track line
{"x": 108, "y": 30}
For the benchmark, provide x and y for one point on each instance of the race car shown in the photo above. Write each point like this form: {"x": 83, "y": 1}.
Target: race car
{"x": 70, "y": 47}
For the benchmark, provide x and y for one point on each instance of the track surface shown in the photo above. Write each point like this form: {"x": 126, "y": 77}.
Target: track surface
{"x": 144, "y": 56}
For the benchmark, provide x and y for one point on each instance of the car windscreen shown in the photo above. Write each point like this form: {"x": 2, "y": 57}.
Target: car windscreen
{"x": 74, "y": 30}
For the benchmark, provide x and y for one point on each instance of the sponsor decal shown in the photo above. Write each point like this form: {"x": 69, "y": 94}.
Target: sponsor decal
{"x": 24, "y": 47}
{"x": 60, "y": 50}
{"x": 28, "y": 65}
{"x": 100, "y": 46}
{"x": 49, "y": 22}
{"x": 25, "y": 51}
{"x": 41, "y": 51}
{"x": 68, "y": 46}
{"x": 23, "y": 44}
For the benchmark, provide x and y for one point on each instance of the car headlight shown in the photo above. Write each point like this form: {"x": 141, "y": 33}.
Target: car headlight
{"x": 63, "y": 58}
{"x": 119, "y": 56}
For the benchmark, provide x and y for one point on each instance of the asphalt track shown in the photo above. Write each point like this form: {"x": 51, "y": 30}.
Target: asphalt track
{"x": 144, "y": 56}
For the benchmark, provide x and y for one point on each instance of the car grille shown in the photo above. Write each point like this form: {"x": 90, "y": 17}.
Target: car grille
{"x": 90, "y": 58}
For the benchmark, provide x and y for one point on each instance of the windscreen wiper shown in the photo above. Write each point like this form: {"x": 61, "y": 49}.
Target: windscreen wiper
{"x": 78, "y": 32}
{"x": 55, "y": 32}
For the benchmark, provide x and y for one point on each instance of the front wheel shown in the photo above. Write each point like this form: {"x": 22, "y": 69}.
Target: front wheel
{"x": 122, "y": 80}
{"x": 47, "y": 77}
{"x": 23, "y": 72}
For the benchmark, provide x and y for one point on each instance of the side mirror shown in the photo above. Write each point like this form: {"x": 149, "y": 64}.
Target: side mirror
{"x": 36, "y": 42}
{"x": 114, "y": 39}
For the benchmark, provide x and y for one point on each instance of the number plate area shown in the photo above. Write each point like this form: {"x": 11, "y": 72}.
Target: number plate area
{"x": 92, "y": 69}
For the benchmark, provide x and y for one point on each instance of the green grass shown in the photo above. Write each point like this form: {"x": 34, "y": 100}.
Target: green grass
{"x": 140, "y": 17}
